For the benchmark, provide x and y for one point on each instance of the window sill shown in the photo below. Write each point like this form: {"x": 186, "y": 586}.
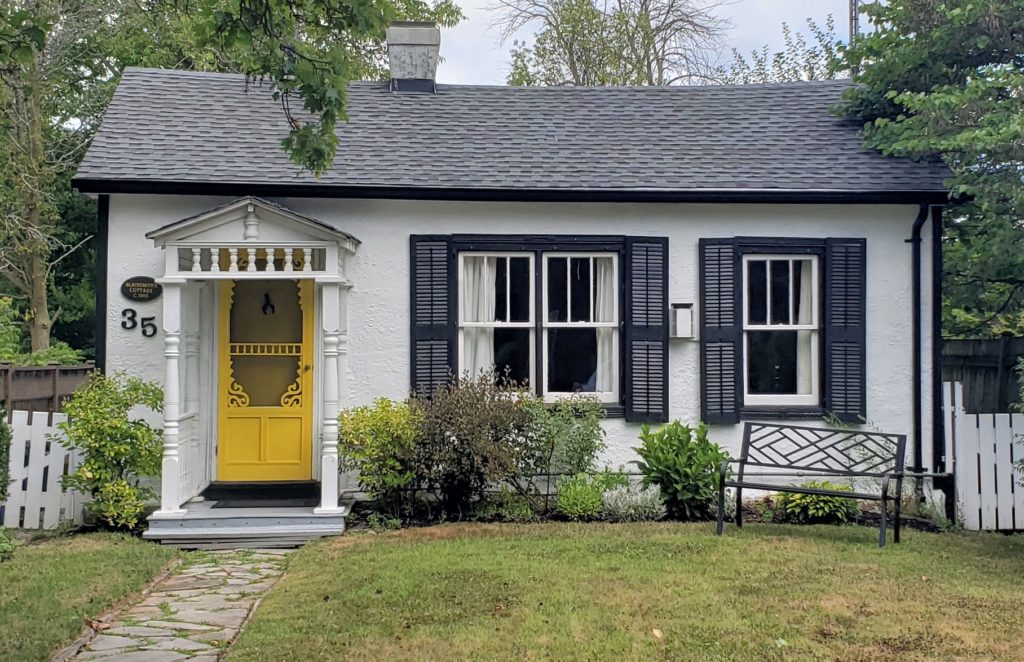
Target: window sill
{"x": 609, "y": 410}
{"x": 782, "y": 412}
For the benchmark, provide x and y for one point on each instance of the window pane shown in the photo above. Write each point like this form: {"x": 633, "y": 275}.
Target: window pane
{"x": 478, "y": 288}
{"x": 557, "y": 293}
{"x": 579, "y": 288}
{"x": 604, "y": 289}
{"x": 572, "y": 360}
{"x": 780, "y": 362}
{"x": 512, "y": 354}
{"x": 780, "y": 291}
{"x": 803, "y": 292}
{"x": 522, "y": 283}
{"x": 500, "y": 281}
{"x": 757, "y": 292}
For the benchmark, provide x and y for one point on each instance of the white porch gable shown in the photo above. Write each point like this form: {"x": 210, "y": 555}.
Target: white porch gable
{"x": 248, "y": 238}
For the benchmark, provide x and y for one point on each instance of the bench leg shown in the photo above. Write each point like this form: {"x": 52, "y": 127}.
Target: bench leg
{"x": 882, "y": 526}
{"x": 720, "y": 522}
{"x": 739, "y": 507}
{"x": 896, "y": 520}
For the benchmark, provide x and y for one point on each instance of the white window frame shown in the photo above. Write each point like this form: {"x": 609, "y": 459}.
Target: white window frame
{"x": 794, "y": 400}
{"x": 531, "y": 325}
{"x": 609, "y": 397}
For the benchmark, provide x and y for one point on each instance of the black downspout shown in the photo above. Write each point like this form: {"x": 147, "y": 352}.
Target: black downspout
{"x": 916, "y": 378}
{"x": 942, "y": 463}
{"x": 102, "y": 234}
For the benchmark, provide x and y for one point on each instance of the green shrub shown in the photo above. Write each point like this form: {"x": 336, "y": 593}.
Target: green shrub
{"x": 5, "y": 457}
{"x": 569, "y": 436}
{"x": 817, "y": 508}
{"x": 579, "y": 498}
{"x": 7, "y": 546}
{"x": 117, "y": 451}
{"x": 684, "y": 464}
{"x": 632, "y": 503}
{"x": 379, "y": 523}
{"x": 14, "y": 343}
{"x": 378, "y": 441}
{"x": 473, "y": 433}
{"x": 504, "y": 506}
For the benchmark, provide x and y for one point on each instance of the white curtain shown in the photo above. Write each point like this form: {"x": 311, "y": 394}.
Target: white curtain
{"x": 604, "y": 311}
{"x": 804, "y": 339}
{"x": 476, "y": 299}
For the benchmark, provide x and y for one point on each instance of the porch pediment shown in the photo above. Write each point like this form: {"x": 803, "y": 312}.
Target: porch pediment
{"x": 252, "y": 237}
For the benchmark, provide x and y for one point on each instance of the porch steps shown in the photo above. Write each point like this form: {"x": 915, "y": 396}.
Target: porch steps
{"x": 205, "y": 527}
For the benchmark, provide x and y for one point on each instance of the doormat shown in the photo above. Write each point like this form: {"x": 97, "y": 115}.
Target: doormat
{"x": 309, "y": 502}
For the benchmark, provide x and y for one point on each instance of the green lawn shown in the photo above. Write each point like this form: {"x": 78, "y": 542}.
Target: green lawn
{"x": 646, "y": 591}
{"x": 49, "y": 587}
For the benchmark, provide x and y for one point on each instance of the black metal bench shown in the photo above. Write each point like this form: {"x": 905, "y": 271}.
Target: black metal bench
{"x": 783, "y": 452}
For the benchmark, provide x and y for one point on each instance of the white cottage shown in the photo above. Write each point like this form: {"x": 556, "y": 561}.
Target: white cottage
{"x": 702, "y": 253}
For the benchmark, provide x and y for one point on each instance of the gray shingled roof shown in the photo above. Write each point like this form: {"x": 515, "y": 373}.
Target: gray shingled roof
{"x": 202, "y": 128}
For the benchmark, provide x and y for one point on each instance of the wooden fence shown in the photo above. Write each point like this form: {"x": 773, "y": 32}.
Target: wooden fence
{"x": 40, "y": 388}
{"x": 37, "y": 499}
{"x": 986, "y": 368}
{"x": 986, "y": 450}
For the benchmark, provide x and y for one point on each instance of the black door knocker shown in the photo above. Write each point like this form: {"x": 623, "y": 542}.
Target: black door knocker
{"x": 268, "y": 307}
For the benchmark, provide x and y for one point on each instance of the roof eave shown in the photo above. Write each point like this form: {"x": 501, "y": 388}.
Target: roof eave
{"x": 237, "y": 189}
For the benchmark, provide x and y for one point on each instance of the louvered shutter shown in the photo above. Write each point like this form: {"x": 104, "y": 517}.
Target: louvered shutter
{"x": 845, "y": 328}
{"x": 720, "y": 332}
{"x": 646, "y": 329}
{"x": 432, "y": 280}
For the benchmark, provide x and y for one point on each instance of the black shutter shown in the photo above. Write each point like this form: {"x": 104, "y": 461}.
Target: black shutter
{"x": 845, "y": 328}
{"x": 646, "y": 329}
{"x": 720, "y": 332}
{"x": 431, "y": 287}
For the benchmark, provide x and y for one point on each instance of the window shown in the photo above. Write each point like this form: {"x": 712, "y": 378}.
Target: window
{"x": 574, "y": 326}
{"x": 496, "y": 314}
{"x": 581, "y": 325}
{"x": 781, "y": 330}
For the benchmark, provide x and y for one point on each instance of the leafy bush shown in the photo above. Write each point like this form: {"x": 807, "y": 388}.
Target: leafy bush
{"x": 505, "y": 506}
{"x": 7, "y": 546}
{"x": 568, "y": 433}
{"x": 473, "y": 433}
{"x": 632, "y": 503}
{"x": 579, "y": 498}
{"x": 378, "y": 441}
{"x": 5, "y": 457}
{"x": 117, "y": 451}
{"x": 817, "y": 508}
{"x": 684, "y": 464}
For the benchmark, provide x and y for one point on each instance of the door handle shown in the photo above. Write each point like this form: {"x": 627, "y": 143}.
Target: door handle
{"x": 307, "y": 368}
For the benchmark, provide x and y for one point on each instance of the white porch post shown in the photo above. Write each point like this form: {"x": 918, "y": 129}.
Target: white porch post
{"x": 170, "y": 476}
{"x": 331, "y": 323}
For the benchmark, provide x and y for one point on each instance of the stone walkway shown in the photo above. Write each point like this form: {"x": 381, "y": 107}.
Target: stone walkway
{"x": 192, "y": 614}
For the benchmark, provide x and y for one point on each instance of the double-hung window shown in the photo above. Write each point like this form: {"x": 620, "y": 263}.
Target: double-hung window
{"x": 574, "y": 325}
{"x": 781, "y": 330}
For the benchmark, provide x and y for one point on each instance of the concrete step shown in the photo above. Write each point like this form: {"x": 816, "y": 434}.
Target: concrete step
{"x": 241, "y": 528}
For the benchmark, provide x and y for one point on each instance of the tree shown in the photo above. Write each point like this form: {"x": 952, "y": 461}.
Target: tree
{"x": 55, "y": 76}
{"x": 627, "y": 42}
{"x": 59, "y": 64}
{"x": 940, "y": 80}
{"x": 797, "y": 61}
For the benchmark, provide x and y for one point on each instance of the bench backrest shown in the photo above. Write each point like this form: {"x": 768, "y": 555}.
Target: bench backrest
{"x": 841, "y": 452}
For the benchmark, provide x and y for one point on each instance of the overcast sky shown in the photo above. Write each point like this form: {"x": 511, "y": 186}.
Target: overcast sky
{"x": 472, "y": 54}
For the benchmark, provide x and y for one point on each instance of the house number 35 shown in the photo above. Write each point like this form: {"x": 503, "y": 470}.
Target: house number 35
{"x": 130, "y": 320}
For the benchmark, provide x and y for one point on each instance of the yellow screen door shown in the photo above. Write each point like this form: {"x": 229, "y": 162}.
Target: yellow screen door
{"x": 265, "y": 386}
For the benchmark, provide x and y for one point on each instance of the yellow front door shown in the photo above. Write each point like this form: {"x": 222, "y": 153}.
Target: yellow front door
{"x": 266, "y": 381}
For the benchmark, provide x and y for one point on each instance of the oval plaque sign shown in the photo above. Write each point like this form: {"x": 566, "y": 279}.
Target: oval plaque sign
{"x": 141, "y": 288}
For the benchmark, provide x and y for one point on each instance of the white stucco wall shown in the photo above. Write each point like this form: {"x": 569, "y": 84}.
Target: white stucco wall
{"x": 378, "y": 315}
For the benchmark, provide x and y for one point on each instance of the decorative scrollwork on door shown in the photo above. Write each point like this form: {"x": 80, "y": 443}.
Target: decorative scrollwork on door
{"x": 292, "y": 397}
{"x": 237, "y": 397}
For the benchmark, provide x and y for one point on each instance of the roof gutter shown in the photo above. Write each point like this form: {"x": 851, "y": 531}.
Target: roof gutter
{"x": 480, "y": 194}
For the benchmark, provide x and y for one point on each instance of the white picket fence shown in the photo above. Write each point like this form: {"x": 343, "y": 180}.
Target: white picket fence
{"x": 986, "y": 449}
{"x": 38, "y": 462}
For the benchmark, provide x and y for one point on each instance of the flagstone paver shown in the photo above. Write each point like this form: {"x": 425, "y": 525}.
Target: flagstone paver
{"x": 192, "y": 614}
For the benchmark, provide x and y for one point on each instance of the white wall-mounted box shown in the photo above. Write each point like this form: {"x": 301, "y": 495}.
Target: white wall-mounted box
{"x": 681, "y": 325}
